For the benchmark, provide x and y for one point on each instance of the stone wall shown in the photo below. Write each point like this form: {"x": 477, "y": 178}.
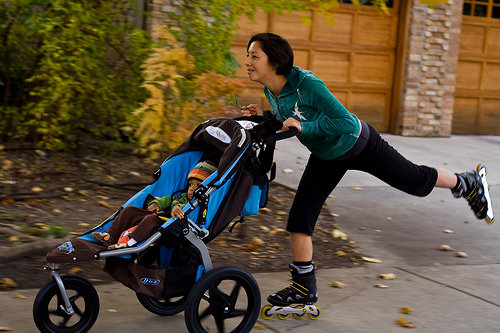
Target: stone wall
{"x": 426, "y": 104}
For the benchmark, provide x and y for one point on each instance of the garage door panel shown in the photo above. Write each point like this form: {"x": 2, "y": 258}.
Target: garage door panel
{"x": 369, "y": 107}
{"x": 494, "y": 41}
{"x": 291, "y": 25}
{"x": 491, "y": 76}
{"x": 332, "y": 66}
{"x": 469, "y": 75}
{"x": 248, "y": 27}
{"x": 464, "y": 118}
{"x": 472, "y": 38}
{"x": 490, "y": 119}
{"x": 372, "y": 68}
{"x": 339, "y": 32}
{"x": 374, "y": 30}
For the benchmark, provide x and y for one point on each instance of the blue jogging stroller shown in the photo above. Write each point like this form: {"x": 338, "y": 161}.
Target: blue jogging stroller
{"x": 172, "y": 271}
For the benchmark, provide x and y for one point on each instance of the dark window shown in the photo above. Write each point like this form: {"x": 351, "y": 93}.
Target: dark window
{"x": 389, "y": 3}
{"x": 496, "y": 12}
{"x": 481, "y": 8}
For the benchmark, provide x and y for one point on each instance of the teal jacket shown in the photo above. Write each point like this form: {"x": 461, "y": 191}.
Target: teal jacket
{"x": 328, "y": 129}
{"x": 168, "y": 203}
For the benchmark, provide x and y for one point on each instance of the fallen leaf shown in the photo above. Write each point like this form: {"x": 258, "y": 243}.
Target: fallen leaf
{"x": 287, "y": 171}
{"x": 265, "y": 210}
{"x": 404, "y": 323}
{"x": 5, "y": 329}
{"x": 37, "y": 189}
{"x": 337, "y": 284}
{"x": 448, "y": 231}
{"x": 355, "y": 188}
{"x": 372, "y": 260}
{"x": 405, "y": 310}
{"x": 74, "y": 270}
{"x": 18, "y": 296}
{"x": 222, "y": 243}
{"x": 443, "y": 200}
{"x": 445, "y": 247}
{"x": 95, "y": 280}
{"x": 103, "y": 203}
{"x": 259, "y": 327}
{"x": 9, "y": 201}
{"x": 341, "y": 253}
{"x": 83, "y": 224}
{"x": 336, "y": 233}
{"x": 277, "y": 230}
{"x": 281, "y": 212}
{"x": 381, "y": 286}
{"x": 13, "y": 239}
{"x": 387, "y": 276}
{"x": 264, "y": 228}
{"x": 30, "y": 215}
{"x": 256, "y": 241}
{"x": 112, "y": 310}
{"x": 461, "y": 254}
{"x": 7, "y": 283}
{"x": 111, "y": 177}
{"x": 102, "y": 197}
{"x": 83, "y": 192}
{"x": 56, "y": 211}
{"x": 6, "y": 165}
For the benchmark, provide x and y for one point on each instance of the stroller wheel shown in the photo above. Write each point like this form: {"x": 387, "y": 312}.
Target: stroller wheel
{"x": 226, "y": 299}
{"x": 48, "y": 312}
{"x": 162, "y": 307}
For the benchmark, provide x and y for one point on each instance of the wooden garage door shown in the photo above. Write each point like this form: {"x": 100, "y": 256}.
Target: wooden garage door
{"x": 477, "y": 95}
{"x": 354, "y": 57}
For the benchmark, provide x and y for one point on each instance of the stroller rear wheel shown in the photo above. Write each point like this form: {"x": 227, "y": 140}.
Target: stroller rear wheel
{"x": 48, "y": 308}
{"x": 225, "y": 298}
{"x": 162, "y": 307}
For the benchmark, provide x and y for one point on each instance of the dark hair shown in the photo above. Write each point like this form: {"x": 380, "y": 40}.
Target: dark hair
{"x": 277, "y": 50}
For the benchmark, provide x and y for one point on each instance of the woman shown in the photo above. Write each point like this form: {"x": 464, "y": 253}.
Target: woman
{"x": 338, "y": 141}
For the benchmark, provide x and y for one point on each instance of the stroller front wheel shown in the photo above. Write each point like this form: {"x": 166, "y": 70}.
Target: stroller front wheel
{"x": 226, "y": 299}
{"x": 162, "y": 307}
{"x": 48, "y": 308}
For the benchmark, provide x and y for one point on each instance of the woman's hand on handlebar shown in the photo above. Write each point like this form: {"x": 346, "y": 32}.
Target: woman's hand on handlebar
{"x": 292, "y": 122}
{"x": 250, "y": 110}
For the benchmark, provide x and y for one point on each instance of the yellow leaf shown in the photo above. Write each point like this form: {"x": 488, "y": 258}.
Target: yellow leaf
{"x": 387, "y": 276}
{"x": 112, "y": 310}
{"x": 222, "y": 243}
{"x": 277, "y": 230}
{"x": 19, "y": 296}
{"x": 56, "y": 211}
{"x": 111, "y": 177}
{"x": 5, "y": 329}
{"x": 13, "y": 239}
{"x": 382, "y": 286}
{"x": 37, "y": 189}
{"x": 74, "y": 270}
{"x": 405, "y": 310}
{"x": 336, "y": 233}
{"x": 7, "y": 283}
{"x": 337, "y": 284}
{"x": 102, "y": 197}
{"x": 341, "y": 253}
{"x": 356, "y": 188}
{"x": 83, "y": 224}
{"x": 372, "y": 260}
{"x": 404, "y": 323}
{"x": 104, "y": 204}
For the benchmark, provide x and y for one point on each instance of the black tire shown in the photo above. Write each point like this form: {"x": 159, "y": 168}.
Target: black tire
{"x": 50, "y": 318}
{"x": 162, "y": 307}
{"x": 217, "y": 300}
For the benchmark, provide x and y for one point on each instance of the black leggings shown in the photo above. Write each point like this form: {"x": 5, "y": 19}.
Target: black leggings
{"x": 377, "y": 158}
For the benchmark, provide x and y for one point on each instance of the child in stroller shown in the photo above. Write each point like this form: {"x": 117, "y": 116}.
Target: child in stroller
{"x": 171, "y": 271}
{"x": 134, "y": 224}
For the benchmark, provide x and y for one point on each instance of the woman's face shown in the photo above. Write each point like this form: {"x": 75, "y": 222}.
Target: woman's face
{"x": 257, "y": 63}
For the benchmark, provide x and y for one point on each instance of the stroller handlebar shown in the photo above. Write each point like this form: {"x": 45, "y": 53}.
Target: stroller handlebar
{"x": 292, "y": 131}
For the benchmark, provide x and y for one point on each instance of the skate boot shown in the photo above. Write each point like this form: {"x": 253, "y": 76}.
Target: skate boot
{"x": 297, "y": 299}
{"x": 475, "y": 189}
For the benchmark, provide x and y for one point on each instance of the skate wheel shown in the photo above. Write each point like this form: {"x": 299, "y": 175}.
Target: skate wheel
{"x": 264, "y": 313}
{"x": 315, "y": 315}
{"x": 280, "y": 316}
{"x": 298, "y": 316}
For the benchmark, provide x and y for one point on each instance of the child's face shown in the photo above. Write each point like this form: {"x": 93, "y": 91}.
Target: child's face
{"x": 192, "y": 186}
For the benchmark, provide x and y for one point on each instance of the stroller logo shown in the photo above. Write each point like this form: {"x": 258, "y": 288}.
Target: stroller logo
{"x": 66, "y": 247}
{"x": 149, "y": 281}
{"x": 219, "y": 134}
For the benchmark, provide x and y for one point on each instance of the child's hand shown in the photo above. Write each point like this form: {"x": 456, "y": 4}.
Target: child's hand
{"x": 154, "y": 207}
{"x": 177, "y": 212}
{"x": 250, "y": 110}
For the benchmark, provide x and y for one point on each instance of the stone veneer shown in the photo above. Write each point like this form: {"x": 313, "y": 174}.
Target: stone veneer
{"x": 426, "y": 103}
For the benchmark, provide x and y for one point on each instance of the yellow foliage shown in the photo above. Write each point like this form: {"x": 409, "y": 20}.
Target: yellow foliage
{"x": 180, "y": 99}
